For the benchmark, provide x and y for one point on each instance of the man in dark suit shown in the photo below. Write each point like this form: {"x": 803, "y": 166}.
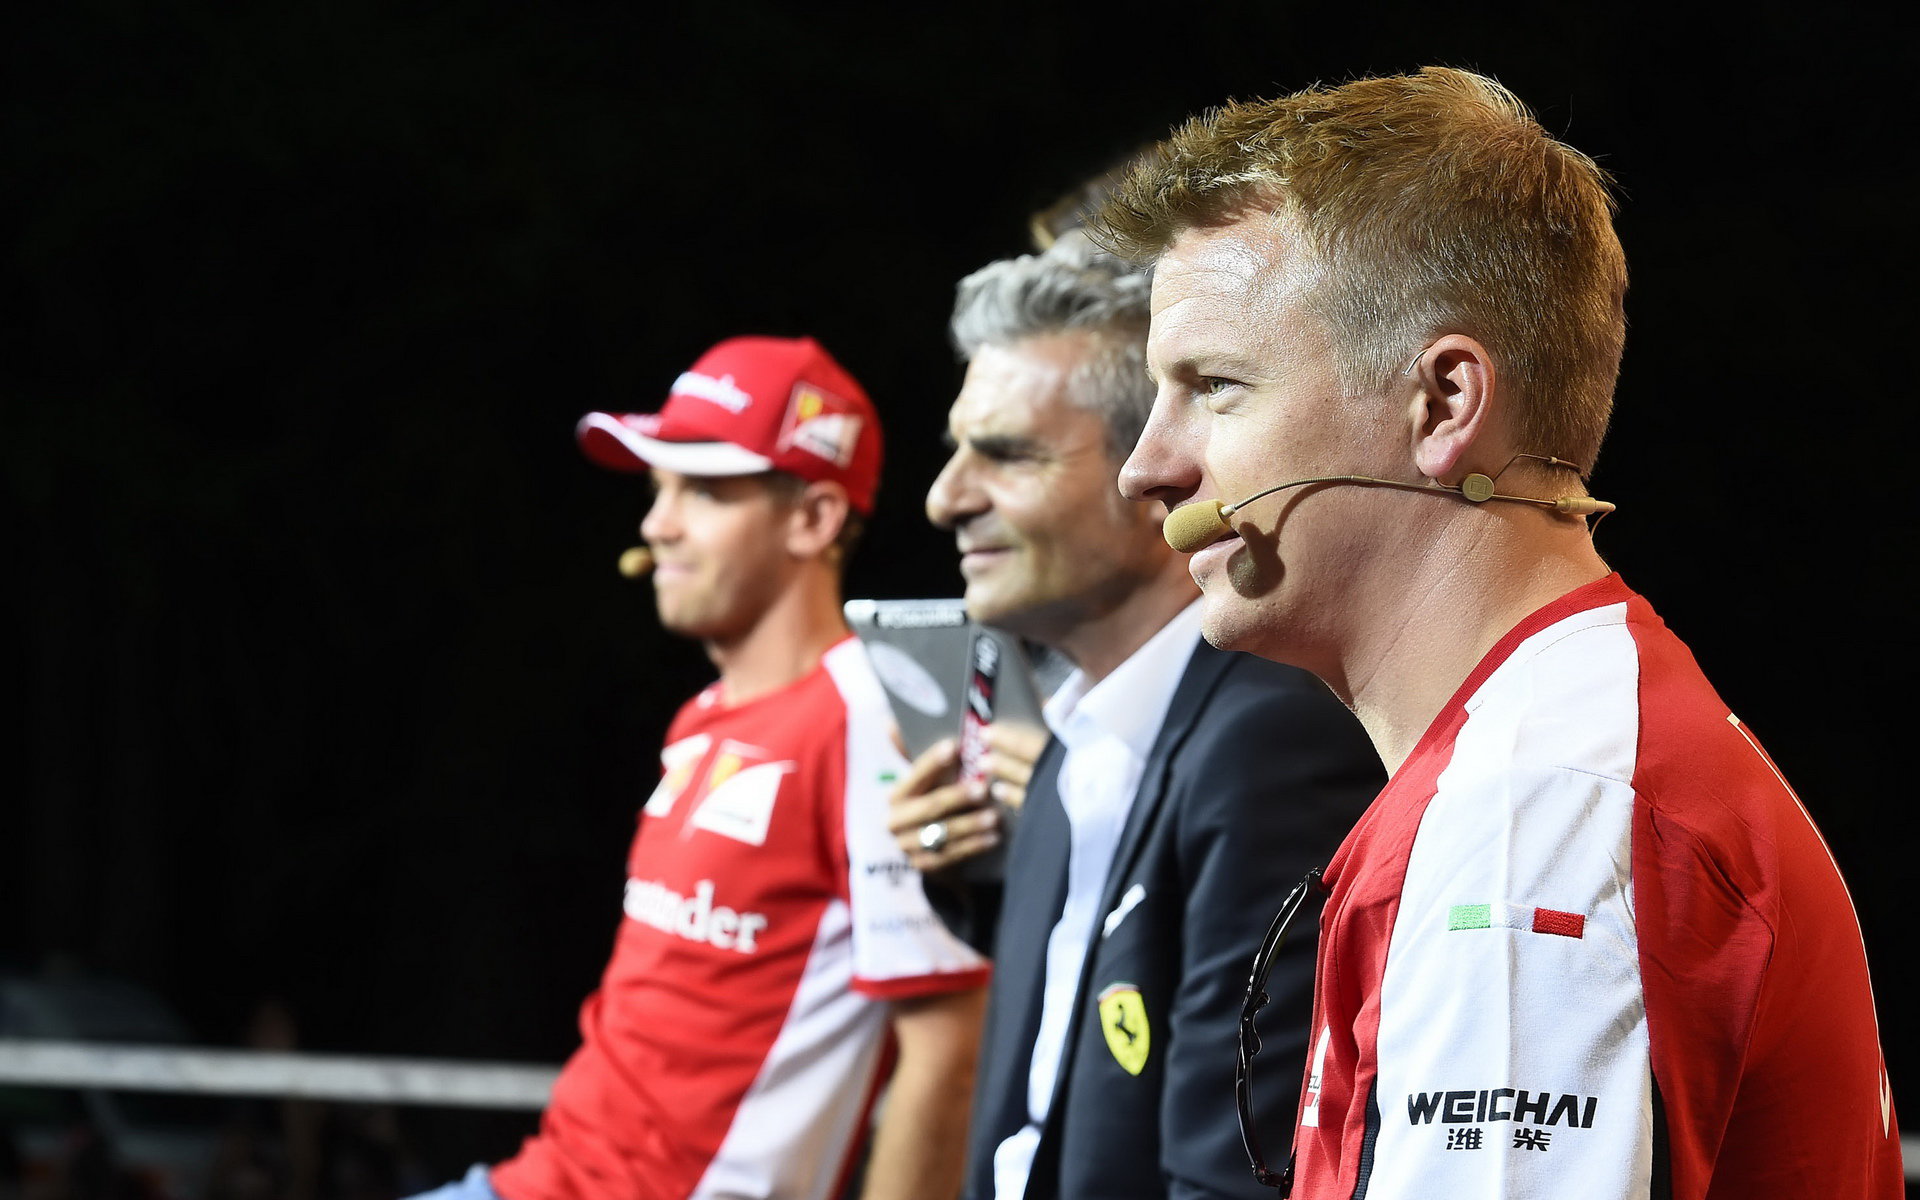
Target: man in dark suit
{"x": 1183, "y": 791}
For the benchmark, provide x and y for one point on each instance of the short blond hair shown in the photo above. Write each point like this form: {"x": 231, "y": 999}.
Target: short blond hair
{"x": 1430, "y": 203}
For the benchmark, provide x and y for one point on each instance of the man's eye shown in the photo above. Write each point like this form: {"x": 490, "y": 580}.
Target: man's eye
{"x": 1214, "y": 385}
{"x": 1004, "y": 452}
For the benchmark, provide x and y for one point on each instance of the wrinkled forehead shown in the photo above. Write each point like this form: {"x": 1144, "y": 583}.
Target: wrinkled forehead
{"x": 1020, "y": 385}
{"x": 1225, "y": 283}
{"x": 1258, "y": 251}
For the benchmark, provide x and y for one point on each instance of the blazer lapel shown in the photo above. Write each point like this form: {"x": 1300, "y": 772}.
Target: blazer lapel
{"x": 1036, "y": 861}
{"x": 1189, "y": 695}
{"x": 1196, "y": 682}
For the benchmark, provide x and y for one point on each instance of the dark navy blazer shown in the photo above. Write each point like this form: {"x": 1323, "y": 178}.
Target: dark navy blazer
{"x": 1256, "y": 775}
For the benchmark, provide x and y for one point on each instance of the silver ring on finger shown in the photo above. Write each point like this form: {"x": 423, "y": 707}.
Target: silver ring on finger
{"x": 933, "y": 837}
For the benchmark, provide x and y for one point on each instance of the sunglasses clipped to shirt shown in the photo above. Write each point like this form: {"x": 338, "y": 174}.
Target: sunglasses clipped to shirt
{"x": 1257, "y": 999}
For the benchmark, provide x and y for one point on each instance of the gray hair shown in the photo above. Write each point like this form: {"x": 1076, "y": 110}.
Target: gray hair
{"x": 1073, "y": 285}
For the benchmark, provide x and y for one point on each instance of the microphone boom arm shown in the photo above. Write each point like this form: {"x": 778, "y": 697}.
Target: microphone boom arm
{"x": 1192, "y": 526}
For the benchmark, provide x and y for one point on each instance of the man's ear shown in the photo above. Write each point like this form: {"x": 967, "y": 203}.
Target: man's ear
{"x": 814, "y": 524}
{"x": 1453, "y": 407}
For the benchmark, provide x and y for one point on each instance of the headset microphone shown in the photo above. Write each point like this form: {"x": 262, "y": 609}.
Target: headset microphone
{"x": 1194, "y": 526}
{"x": 636, "y": 561}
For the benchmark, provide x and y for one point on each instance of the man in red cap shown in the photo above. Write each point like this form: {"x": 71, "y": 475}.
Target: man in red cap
{"x": 773, "y": 936}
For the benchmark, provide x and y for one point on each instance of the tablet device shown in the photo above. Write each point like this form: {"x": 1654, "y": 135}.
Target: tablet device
{"x": 947, "y": 677}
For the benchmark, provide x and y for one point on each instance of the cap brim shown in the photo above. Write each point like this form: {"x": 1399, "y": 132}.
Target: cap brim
{"x": 619, "y": 443}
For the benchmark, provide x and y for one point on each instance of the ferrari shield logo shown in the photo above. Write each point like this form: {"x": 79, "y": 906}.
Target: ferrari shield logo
{"x": 1123, "y": 1017}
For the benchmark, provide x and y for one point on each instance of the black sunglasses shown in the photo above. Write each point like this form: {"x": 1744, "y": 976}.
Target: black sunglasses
{"x": 1250, "y": 1037}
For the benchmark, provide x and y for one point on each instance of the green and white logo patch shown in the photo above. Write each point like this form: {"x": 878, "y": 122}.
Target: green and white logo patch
{"x": 1516, "y": 916}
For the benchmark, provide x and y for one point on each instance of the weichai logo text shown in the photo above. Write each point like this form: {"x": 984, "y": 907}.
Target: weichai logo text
{"x": 1501, "y": 1104}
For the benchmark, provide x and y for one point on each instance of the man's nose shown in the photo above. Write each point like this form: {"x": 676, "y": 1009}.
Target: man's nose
{"x": 1161, "y": 466}
{"x": 659, "y": 523}
{"x": 951, "y": 498}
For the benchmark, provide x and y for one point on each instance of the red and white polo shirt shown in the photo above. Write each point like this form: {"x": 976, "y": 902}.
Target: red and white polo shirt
{"x": 1588, "y": 943}
{"x": 739, "y": 1033}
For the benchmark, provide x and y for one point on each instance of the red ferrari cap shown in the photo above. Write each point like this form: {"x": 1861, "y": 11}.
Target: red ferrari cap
{"x": 752, "y": 404}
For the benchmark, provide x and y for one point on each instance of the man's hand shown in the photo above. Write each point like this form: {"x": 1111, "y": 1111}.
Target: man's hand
{"x": 1012, "y": 749}
{"x": 930, "y": 794}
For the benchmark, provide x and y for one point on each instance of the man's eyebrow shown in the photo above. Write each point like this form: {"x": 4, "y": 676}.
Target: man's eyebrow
{"x": 1175, "y": 365}
{"x": 1003, "y": 445}
{"x": 1212, "y": 362}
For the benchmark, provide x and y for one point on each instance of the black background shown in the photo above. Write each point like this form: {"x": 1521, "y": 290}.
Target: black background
{"x": 326, "y": 688}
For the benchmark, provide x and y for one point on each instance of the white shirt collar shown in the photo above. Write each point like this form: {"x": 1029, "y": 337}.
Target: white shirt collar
{"x": 1131, "y": 703}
